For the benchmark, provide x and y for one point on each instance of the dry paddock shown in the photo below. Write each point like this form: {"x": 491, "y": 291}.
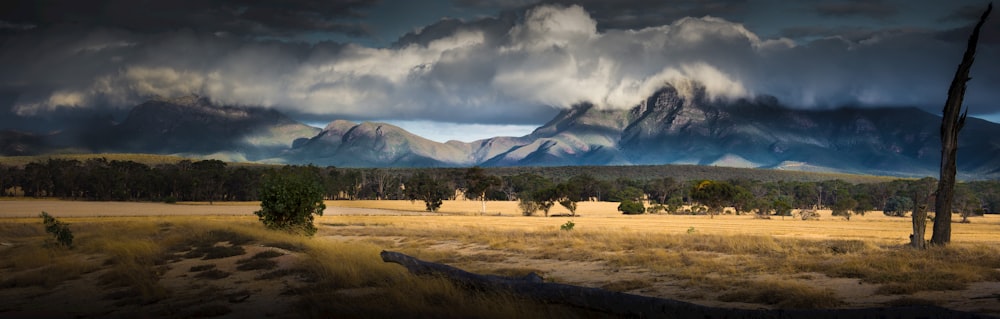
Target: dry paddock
{"x": 873, "y": 226}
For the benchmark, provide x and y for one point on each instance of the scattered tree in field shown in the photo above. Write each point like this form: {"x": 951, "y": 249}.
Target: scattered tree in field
{"x": 966, "y": 203}
{"x": 951, "y": 123}
{"x": 630, "y": 207}
{"x": 58, "y": 229}
{"x": 568, "y": 195}
{"x": 478, "y": 183}
{"x": 423, "y": 187}
{"x": 545, "y": 198}
{"x": 897, "y": 206}
{"x": 843, "y": 207}
{"x": 713, "y": 194}
{"x": 781, "y": 207}
{"x": 289, "y": 198}
{"x": 743, "y": 200}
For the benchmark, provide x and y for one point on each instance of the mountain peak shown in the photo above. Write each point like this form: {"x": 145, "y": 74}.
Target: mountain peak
{"x": 186, "y": 100}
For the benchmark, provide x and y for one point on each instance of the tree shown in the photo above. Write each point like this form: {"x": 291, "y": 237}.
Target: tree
{"x": 289, "y": 198}
{"x": 920, "y": 192}
{"x": 781, "y": 206}
{"x": 424, "y": 187}
{"x": 951, "y": 124}
{"x": 478, "y": 183}
{"x": 844, "y": 207}
{"x": 713, "y": 194}
{"x": 568, "y": 194}
{"x": 897, "y": 206}
{"x": 545, "y": 198}
{"x": 966, "y": 203}
{"x": 660, "y": 190}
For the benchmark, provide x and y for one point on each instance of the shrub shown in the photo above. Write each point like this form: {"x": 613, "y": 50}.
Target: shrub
{"x": 58, "y": 229}
{"x": 808, "y": 214}
{"x": 528, "y": 207}
{"x": 568, "y": 226}
{"x": 629, "y": 207}
{"x": 289, "y": 198}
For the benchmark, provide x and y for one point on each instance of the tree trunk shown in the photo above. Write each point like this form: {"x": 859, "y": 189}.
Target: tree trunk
{"x": 919, "y": 227}
{"x": 951, "y": 123}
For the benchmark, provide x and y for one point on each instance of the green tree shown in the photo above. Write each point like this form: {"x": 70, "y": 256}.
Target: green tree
{"x": 714, "y": 195}
{"x": 289, "y": 198}
{"x": 568, "y": 195}
{"x": 897, "y": 206}
{"x": 478, "y": 183}
{"x": 781, "y": 206}
{"x": 545, "y": 198}
{"x": 422, "y": 186}
{"x": 843, "y": 207}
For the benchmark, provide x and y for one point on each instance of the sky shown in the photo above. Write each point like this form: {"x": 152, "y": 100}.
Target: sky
{"x": 470, "y": 69}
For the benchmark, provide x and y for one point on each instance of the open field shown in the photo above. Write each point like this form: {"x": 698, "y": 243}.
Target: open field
{"x": 726, "y": 261}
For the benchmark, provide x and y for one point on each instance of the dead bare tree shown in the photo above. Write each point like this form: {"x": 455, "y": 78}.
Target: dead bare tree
{"x": 951, "y": 123}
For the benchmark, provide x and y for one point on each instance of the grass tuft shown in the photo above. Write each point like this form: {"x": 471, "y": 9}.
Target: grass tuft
{"x": 213, "y": 274}
{"x": 256, "y": 264}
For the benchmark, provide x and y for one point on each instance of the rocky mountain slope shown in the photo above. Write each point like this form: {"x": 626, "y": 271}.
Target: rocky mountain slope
{"x": 684, "y": 126}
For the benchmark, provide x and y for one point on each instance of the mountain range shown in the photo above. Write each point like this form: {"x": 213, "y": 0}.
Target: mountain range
{"x": 675, "y": 125}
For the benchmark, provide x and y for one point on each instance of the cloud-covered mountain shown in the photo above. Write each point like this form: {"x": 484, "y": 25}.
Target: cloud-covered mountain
{"x": 678, "y": 124}
{"x": 681, "y": 125}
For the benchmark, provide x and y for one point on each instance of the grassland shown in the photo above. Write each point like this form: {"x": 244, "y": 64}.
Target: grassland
{"x": 156, "y": 263}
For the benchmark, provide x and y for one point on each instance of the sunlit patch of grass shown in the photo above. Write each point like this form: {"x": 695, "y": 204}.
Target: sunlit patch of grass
{"x": 782, "y": 294}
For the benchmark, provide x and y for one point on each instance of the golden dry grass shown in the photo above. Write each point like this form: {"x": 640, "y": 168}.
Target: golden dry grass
{"x": 726, "y": 261}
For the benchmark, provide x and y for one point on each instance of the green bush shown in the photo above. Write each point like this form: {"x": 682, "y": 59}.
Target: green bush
{"x": 568, "y": 226}
{"x": 289, "y": 199}
{"x": 58, "y": 229}
{"x": 629, "y": 207}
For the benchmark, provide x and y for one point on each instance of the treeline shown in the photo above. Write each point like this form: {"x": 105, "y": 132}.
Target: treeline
{"x": 213, "y": 180}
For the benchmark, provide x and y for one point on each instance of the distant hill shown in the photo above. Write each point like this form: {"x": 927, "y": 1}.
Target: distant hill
{"x": 189, "y": 125}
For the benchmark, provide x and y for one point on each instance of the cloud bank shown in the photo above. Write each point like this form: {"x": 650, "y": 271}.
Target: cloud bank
{"x": 509, "y": 69}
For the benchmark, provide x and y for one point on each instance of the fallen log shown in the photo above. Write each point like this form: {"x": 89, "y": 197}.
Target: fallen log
{"x": 628, "y": 305}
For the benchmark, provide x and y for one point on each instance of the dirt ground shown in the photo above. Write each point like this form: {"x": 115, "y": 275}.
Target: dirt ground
{"x": 237, "y": 286}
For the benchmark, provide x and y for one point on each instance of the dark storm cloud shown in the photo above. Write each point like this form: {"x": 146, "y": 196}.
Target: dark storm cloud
{"x": 966, "y": 13}
{"x": 512, "y": 67}
{"x": 241, "y": 18}
{"x": 629, "y": 14}
{"x": 876, "y": 9}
